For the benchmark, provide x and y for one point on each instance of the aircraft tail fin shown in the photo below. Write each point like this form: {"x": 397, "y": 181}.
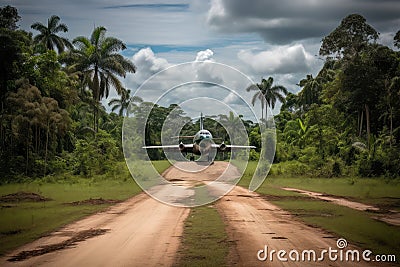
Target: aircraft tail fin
{"x": 201, "y": 121}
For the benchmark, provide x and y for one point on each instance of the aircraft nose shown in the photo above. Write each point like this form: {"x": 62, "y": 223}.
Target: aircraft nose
{"x": 204, "y": 143}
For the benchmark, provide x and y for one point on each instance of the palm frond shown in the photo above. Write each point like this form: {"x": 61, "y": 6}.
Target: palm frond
{"x": 60, "y": 28}
{"x": 52, "y": 22}
{"x": 111, "y": 44}
{"x": 97, "y": 36}
{"x": 58, "y": 42}
{"x": 254, "y": 98}
{"x": 252, "y": 87}
{"x": 360, "y": 146}
{"x": 39, "y": 27}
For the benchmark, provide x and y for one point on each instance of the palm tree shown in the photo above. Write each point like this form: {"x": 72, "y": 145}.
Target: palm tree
{"x": 296, "y": 132}
{"x": 120, "y": 103}
{"x": 123, "y": 103}
{"x": 267, "y": 94}
{"x": 311, "y": 89}
{"x": 48, "y": 37}
{"x": 100, "y": 63}
{"x": 231, "y": 124}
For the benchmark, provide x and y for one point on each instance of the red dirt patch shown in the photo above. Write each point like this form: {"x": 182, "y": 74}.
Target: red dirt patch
{"x": 78, "y": 237}
{"x": 94, "y": 201}
{"x": 23, "y": 196}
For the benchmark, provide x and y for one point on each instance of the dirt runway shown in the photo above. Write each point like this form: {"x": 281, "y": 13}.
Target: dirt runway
{"x": 253, "y": 223}
{"x": 138, "y": 232}
{"x": 144, "y": 232}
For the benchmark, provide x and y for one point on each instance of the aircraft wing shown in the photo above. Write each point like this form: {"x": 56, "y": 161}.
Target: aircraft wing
{"x": 181, "y": 147}
{"x": 227, "y": 148}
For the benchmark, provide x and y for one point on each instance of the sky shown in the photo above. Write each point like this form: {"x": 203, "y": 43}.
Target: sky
{"x": 259, "y": 38}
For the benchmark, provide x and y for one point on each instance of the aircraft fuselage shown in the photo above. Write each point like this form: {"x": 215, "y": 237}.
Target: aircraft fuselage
{"x": 202, "y": 142}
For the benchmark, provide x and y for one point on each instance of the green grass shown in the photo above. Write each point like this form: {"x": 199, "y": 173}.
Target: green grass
{"x": 204, "y": 239}
{"x": 378, "y": 191}
{"x": 22, "y": 222}
{"x": 25, "y": 221}
{"x": 161, "y": 165}
{"x": 358, "y": 227}
{"x": 355, "y": 226}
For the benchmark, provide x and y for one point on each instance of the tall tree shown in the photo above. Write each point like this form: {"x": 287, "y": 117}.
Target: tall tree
{"x": 365, "y": 85}
{"x": 123, "y": 102}
{"x": 98, "y": 60}
{"x": 9, "y": 17}
{"x": 48, "y": 37}
{"x": 267, "y": 94}
{"x": 15, "y": 46}
{"x": 352, "y": 40}
{"x": 397, "y": 39}
{"x": 310, "y": 92}
{"x": 232, "y": 125}
{"x": 32, "y": 115}
{"x": 349, "y": 37}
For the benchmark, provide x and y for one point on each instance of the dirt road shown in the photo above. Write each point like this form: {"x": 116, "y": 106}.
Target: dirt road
{"x": 144, "y": 232}
{"x": 138, "y": 232}
{"x": 253, "y": 223}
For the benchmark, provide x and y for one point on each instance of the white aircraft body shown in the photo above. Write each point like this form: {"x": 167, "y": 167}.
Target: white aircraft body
{"x": 202, "y": 144}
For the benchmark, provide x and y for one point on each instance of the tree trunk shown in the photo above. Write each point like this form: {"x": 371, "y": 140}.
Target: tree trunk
{"x": 262, "y": 111}
{"x": 2, "y": 135}
{"x": 47, "y": 143}
{"x": 391, "y": 127}
{"x": 94, "y": 117}
{"x": 36, "y": 138}
{"x": 361, "y": 123}
{"x": 96, "y": 96}
{"x": 368, "y": 123}
{"x": 27, "y": 156}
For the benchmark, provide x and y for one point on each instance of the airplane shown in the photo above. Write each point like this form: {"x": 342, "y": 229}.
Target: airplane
{"x": 202, "y": 144}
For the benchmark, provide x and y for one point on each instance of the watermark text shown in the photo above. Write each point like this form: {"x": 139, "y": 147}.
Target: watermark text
{"x": 340, "y": 253}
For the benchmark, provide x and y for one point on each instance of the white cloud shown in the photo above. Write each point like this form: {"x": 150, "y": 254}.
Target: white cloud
{"x": 148, "y": 62}
{"x": 232, "y": 99}
{"x": 205, "y": 55}
{"x": 280, "y": 59}
{"x": 177, "y": 84}
{"x": 387, "y": 39}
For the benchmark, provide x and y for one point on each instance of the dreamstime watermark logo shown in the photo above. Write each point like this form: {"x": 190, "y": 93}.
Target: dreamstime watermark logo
{"x": 188, "y": 90}
{"x": 340, "y": 253}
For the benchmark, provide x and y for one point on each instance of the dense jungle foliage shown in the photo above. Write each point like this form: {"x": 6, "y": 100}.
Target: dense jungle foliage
{"x": 344, "y": 121}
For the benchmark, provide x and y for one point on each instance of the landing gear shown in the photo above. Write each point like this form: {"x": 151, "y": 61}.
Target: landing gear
{"x": 210, "y": 159}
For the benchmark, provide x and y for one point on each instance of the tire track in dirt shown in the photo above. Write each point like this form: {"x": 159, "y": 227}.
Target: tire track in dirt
{"x": 391, "y": 216}
{"x": 140, "y": 232}
{"x": 252, "y": 223}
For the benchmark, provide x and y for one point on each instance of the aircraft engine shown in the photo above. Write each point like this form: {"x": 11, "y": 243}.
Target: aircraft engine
{"x": 222, "y": 147}
{"x": 181, "y": 147}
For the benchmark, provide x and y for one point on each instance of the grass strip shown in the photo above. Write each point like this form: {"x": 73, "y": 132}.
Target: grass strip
{"x": 205, "y": 242}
